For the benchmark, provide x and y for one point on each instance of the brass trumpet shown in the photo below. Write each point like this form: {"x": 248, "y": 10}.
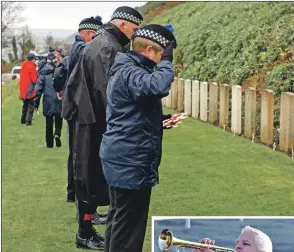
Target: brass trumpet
{"x": 166, "y": 240}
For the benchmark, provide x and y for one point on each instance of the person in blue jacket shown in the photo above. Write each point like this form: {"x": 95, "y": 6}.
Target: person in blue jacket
{"x": 131, "y": 146}
{"x": 51, "y": 104}
{"x": 42, "y": 62}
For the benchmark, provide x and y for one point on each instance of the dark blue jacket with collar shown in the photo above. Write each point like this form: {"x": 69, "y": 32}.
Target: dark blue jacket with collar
{"x": 67, "y": 65}
{"x": 131, "y": 147}
{"x": 51, "y": 105}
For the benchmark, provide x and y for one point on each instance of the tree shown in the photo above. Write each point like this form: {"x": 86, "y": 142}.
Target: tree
{"x": 57, "y": 43}
{"x": 49, "y": 40}
{"x": 14, "y": 48}
{"x": 11, "y": 14}
{"x": 26, "y": 42}
{"x": 11, "y": 59}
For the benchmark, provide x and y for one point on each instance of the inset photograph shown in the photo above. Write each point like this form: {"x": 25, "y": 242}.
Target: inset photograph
{"x": 236, "y": 234}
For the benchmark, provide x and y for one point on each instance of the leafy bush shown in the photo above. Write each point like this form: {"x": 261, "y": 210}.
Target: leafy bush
{"x": 6, "y": 67}
{"x": 229, "y": 41}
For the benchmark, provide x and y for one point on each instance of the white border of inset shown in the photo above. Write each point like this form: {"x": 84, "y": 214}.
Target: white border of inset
{"x": 154, "y": 218}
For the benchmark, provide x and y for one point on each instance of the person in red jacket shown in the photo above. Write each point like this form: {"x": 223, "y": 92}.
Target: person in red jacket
{"x": 28, "y": 80}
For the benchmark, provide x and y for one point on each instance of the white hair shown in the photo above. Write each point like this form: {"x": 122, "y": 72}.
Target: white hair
{"x": 262, "y": 241}
{"x": 116, "y": 21}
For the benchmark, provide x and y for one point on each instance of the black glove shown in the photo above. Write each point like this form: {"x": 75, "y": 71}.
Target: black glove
{"x": 164, "y": 127}
{"x": 165, "y": 117}
{"x": 168, "y": 52}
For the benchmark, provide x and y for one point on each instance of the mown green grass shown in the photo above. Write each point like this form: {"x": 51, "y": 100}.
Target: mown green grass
{"x": 9, "y": 89}
{"x": 204, "y": 171}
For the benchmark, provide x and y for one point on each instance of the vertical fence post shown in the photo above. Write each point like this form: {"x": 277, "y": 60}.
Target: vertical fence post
{"x": 188, "y": 97}
{"x": 236, "y": 124}
{"x": 250, "y": 112}
{"x": 224, "y": 105}
{"x": 287, "y": 121}
{"x": 163, "y": 101}
{"x": 203, "y": 101}
{"x": 169, "y": 99}
{"x": 213, "y": 102}
{"x": 174, "y": 104}
{"x": 181, "y": 90}
{"x": 195, "y": 98}
{"x": 267, "y": 117}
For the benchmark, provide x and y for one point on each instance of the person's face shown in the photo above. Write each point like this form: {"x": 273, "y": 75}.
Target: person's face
{"x": 57, "y": 55}
{"x": 128, "y": 28}
{"x": 88, "y": 35}
{"x": 245, "y": 242}
{"x": 153, "y": 55}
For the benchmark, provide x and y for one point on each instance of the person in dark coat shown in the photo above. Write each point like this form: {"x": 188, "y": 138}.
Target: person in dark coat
{"x": 58, "y": 54}
{"x": 28, "y": 80}
{"x": 88, "y": 27}
{"x": 43, "y": 61}
{"x": 85, "y": 104}
{"x": 51, "y": 105}
{"x": 131, "y": 146}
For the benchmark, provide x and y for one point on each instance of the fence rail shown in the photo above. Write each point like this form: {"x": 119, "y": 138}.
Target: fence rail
{"x": 235, "y": 109}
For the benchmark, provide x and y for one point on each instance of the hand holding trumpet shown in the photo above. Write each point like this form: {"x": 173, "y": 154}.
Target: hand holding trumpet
{"x": 207, "y": 241}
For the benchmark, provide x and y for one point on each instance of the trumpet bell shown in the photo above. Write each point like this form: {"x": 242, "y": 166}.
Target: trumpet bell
{"x": 166, "y": 240}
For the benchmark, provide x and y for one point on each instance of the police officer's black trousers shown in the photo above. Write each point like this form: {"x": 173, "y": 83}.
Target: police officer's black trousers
{"x": 49, "y": 128}
{"x": 127, "y": 219}
{"x": 85, "y": 225}
{"x": 70, "y": 171}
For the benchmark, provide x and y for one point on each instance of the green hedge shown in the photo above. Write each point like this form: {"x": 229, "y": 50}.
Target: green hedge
{"x": 228, "y": 42}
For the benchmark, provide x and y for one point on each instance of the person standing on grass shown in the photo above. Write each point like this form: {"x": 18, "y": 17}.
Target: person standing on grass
{"x": 130, "y": 150}
{"x": 51, "y": 105}
{"x": 58, "y": 54}
{"x": 43, "y": 61}
{"x": 28, "y": 80}
{"x": 88, "y": 27}
{"x": 85, "y": 103}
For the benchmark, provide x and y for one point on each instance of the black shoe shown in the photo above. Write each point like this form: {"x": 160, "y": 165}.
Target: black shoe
{"x": 99, "y": 220}
{"x": 101, "y": 214}
{"x": 92, "y": 242}
{"x": 57, "y": 141}
{"x": 23, "y": 122}
{"x": 28, "y": 123}
{"x": 70, "y": 198}
{"x": 99, "y": 236}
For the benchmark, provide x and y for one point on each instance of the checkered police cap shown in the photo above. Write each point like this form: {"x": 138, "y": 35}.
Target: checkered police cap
{"x": 157, "y": 33}
{"x": 90, "y": 23}
{"x": 128, "y": 14}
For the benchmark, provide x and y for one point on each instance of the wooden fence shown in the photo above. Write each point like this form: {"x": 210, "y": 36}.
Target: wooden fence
{"x": 227, "y": 107}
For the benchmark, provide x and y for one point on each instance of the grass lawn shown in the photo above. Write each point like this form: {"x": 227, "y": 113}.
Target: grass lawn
{"x": 204, "y": 171}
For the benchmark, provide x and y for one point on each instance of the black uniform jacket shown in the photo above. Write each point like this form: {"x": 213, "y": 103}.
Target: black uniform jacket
{"x": 85, "y": 104}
